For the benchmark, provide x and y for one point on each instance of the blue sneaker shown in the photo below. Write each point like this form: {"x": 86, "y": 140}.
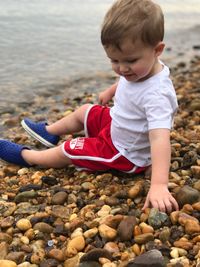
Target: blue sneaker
{"x": 11, "y": 152}
{"x": 38, "y": 131}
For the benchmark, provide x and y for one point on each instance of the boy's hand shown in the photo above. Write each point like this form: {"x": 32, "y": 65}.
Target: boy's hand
{"x": 107, "y": 95}
{"x": 104, "y": 98}
{"x": 159, "y": 197}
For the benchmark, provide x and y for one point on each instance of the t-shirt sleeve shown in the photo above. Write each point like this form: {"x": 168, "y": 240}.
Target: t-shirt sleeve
{"x": 160, "y": 108}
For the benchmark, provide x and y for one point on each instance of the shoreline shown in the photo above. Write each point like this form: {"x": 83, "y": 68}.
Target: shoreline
{"x": 53, "y": 217}
{"x": 180, "y": 48}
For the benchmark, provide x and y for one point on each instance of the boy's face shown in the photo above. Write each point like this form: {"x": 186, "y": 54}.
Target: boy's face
{"x": 135, "y": 61}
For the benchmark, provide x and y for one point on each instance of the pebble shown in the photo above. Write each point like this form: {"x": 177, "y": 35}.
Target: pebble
{"x": 136, "y": 190}
{"x": 111, "y": 247}
{"x": 157, "y": 218}
{"x": 56, "y": 254}
{"x": 107, "y": 232}
{"x": 86, "y": 186}
{"x": 25, "y": 196}
{"x": 5, "y": 238}
{"x": 104, "y": 211}
{"x": 187, "y": 195}
{"x": 125, "y": 228}
{"x": 59, "y": 198}
{"x": 152, "y": 258}
{"x": 4, "y": 247}
{"x": 27, "y": 264}
{"x": 49, "y": 263}
{"x": 7, "y": 263}
{"x": 90, "y": 264}
{"x": 146, "y": 228}
{"x": 61, "y": 211}
{"x": 7, "y": 208}
{"x": 72, "y": 262}
{"x": 7, "y": 222}
{"x": 16, "y": 256}
{"x": 74, "y": 246}
{"x": 43, "y": 227}
{"x": 112, "y": 220}
{"x": 91, "y": 232}
{"x": 95, "y": 254}
{"x": 23, "y": 224}
{"x": 49, "y": 180}
{"x": 185, "y": 244}
{"x": 143, "y": 238}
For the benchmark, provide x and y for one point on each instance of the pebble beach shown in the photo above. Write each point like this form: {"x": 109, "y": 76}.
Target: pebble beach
{"x": 55, "y": 218}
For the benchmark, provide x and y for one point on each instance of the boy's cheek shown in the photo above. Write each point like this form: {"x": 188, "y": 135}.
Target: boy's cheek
{"x": 115, "y": 69}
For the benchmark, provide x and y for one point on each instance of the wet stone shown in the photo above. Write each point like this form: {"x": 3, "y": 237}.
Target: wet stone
{"x": 49, "y": 263}
{"x": 23, "y": 224}
{"x": 43, "y": 227}
{"x": 7, "y": 263}
{"x": 4, "y": 247}
{"x": 152, "y": 258}
{"x": 187, "y": 195}
{"x": 60, "y": 211}
{"x": 143, "y": 238}
{"x": 86, "y": 186}
{"x": 107, "y": 232}
{"x": 95, "y": 254}
{"x": 30, "y": 187}
{"x": 156, "y": 218}
{"x": 60, "y": 230}
{"x": 16, "y": 256}
{"x": 189, "y": 158}
{"x": 112, "y": 201}
{"x": 7, "y": 209}
{"x": 125, "y": 228}
{"x": 5, "y": 238}
{"x": 89, "y": 264}
{"x": 59, "y": 198}
{"x": 27, "y": 208}
{"x": 25, "y": 196}
{"x": 7, "y": 222}
{"x": 49, "y": 180}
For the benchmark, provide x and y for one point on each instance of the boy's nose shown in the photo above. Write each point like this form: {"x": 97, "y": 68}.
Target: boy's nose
{"x": 123, "y": 68}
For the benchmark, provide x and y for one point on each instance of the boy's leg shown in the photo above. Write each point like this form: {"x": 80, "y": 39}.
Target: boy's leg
{"x": 51, "y": 158}
{"x": 72, "y": 123}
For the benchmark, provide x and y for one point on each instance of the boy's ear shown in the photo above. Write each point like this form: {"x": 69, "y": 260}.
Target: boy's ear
{"x": 159, "y": 48}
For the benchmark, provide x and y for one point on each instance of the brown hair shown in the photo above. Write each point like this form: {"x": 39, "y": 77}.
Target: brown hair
{"x": 133, "y": 19}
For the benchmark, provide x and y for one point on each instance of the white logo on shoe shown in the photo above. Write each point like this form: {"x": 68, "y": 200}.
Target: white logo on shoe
{"x": 77, "y": 143}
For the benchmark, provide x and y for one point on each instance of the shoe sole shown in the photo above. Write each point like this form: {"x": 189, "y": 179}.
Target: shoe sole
{"x": 35, "y": 135}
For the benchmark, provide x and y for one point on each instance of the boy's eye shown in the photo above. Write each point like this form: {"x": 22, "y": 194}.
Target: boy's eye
{"x": 132, "y": 60}
{"x": 114, "y": 61}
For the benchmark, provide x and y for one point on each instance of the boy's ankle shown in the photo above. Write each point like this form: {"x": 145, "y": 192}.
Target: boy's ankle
{"x": 48, "y": 129}
{"x": 26, "y": 157}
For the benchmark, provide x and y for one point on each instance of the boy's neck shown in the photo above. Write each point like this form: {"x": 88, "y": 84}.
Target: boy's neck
{"x": 157, "y": 67}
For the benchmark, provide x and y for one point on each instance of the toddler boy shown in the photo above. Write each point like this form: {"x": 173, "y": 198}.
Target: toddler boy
{"x": 135, "y": 132}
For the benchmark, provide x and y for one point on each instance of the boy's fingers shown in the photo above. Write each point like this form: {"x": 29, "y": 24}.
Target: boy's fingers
{"x": 162, "y": 206}
{"x": 146, "y": 204}
{"x": 174, "y": 203}
{"x": 168, "y": 206}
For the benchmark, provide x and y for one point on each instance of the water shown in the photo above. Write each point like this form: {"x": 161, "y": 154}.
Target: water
{"x": 46, "y": 43}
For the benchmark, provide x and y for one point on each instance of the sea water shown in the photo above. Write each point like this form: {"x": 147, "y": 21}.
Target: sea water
{"x": 46, "y": 43}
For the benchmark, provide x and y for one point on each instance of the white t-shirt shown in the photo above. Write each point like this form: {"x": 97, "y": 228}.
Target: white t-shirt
{"x": 138, "y": 108}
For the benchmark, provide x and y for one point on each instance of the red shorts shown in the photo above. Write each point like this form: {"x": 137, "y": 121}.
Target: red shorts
{"x": 96, "y": 151}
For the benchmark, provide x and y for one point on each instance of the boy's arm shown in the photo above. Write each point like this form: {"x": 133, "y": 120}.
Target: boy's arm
{"x": 107, "y": 95}
{"x": 158, "y": 195}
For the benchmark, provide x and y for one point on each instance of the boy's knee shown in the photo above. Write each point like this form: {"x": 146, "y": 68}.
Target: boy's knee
{"x": 82, "y": 111}
{"x": 85, "y": 107}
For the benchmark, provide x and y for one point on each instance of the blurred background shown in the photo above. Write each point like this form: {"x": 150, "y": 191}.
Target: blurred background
{"x": 46, "y": 43}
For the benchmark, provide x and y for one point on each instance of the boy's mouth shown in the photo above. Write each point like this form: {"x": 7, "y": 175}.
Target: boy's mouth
{"x": 128, "y": 76}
